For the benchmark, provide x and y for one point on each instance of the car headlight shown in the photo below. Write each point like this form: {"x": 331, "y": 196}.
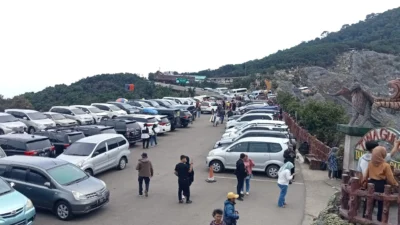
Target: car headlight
{"x": 104, "y": 183}
{"x": 28, "y": 205}
{"x": 78, "y": 196}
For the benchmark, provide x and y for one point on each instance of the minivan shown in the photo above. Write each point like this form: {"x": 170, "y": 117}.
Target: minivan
{"x": 97, "y": 114}
{"x": 8, "y": 124}
{"x": 73, "y": 113}
{"x": 33, "y": 119}
{"x": 61, "y": 138}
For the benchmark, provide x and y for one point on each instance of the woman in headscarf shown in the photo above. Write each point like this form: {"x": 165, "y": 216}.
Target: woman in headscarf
{"x": 379, "y": 173}
{"x": 332, "y": 163}
{"x": 284, "y": 177}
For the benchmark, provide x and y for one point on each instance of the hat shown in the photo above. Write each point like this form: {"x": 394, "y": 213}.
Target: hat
{"x": 232, "y": 195}
{"x": 144, "y": 155}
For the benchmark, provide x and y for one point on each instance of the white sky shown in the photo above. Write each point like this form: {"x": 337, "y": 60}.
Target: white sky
{"x": 43, "y": 43}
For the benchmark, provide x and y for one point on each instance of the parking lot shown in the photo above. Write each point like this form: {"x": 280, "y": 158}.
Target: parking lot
{"x": 161, "y": 207}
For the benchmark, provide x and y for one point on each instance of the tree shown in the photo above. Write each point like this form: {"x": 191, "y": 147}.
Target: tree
{"x": 16, "y": 102}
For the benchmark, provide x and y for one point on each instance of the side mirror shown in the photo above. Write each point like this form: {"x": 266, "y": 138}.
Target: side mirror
{"x": 25, "y": 118}
{"x": 47, "y": 184}
{"x": 88, "y": 112}
{"x": 96, "y": 153}
{"x": 12, "y": 184}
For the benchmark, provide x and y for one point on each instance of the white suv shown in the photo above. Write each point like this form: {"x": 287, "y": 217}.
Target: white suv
{"x": 73, "y": 113}
{"x": 97, "y": 114}
{"x": 247, "y": 118}
{"x": 112, "y": 110}
{"x": 209, "y": 107}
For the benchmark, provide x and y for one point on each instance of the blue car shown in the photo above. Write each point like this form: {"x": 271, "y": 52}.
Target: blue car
{"x": 150, "y": 111}
{"x": 15, "y": 208}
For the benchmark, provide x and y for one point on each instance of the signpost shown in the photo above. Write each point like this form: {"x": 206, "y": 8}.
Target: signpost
{"x": 182, "y": 80}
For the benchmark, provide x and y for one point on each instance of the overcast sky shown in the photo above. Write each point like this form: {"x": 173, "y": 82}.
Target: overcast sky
{"x": 43, "y": 43}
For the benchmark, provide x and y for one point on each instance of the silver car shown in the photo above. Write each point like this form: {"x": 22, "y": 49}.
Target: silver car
{"x": 98, "y": 153}
{"x": 8, "y": 124}
{"x": 267, "y": 154}
{"x": 33, "y": 119}
{"x": 73, "y": 113}
{"x": 97, "y": 114}
{"x": 112, "y": 110}
{"x": 254, "y": 133}
{"x": 60, "y": 119}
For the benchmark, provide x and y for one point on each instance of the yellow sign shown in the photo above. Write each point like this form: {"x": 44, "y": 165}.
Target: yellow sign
{"x": 268, "y": 84}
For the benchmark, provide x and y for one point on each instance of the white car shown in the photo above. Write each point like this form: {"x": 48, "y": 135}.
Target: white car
{"x": 247, "y": 118}
{"x": 33, "y": 119}
{"x": 113, "y": 111}
{"x": 97, "y": 114}
{"x": 163, "y": 124}
{"x": 142, "y": 119}
{"x": 73, "y": 113}
{"x": 209, "y": 107}
{"x": 8, "y": 124}
{"x": 265, "y": 122}
{"x": 98, "y": 153}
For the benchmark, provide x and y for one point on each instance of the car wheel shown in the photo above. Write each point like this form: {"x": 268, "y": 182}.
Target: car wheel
{"x": 113, "y": 117}
{"x": 63, "y": 210}
{"x": 1, "y": 132}
{"x": 218, "y": 167}
{"x": 89, "y": 172}
{"x": 31, "y": 130}
{"x": 272, "y": 171}
{"x": 58, "y": 125}
{"x": 122, "y": 163}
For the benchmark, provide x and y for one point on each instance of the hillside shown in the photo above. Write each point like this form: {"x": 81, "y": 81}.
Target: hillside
{"x": 378, "y": 32}
{"x": 99, "y": 88}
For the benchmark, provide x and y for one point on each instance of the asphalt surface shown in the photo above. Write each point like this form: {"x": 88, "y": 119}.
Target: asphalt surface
{"x": 162, "y": 207}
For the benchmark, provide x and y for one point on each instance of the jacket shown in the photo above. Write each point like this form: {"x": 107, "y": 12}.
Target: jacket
{"x": 289, "y": 156}
{"x": 240, "y": 169}
{"x": 230, "y": 215}
{"x": 362, "y": 165}
{"x": 145, "y": 168}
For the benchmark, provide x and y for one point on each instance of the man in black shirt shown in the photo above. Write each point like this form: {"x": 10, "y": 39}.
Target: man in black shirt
{"x": 182, "y": 170}
{"x": 240, "y": 175}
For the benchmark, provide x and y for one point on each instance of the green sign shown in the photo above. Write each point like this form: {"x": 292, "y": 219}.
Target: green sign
{"x": 182, "y": 81}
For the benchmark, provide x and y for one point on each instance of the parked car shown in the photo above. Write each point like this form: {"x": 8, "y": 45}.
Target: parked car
{"x": 8, "y": 124}
{"x": 173, "y": 115}
{"x": 96, "y": 113}
{"x": 189, "y": 108}
{"x": 186, "y": 118}
{"x": 252, "y": 133}
{"x": 129, "y": 109}
{"x": 130, "y": 129}
{"x": 209, "y": 107}
{"x": 60, "y": 119}
{"x": 98, "y": 153}
{"x": 274, "y": 113}
{"x": 113, "y": 111}
{"x": 33, "y": 119}
{"x": 73, "y": 113}
{"x": 163, "y": 124}
{"x": 90, "y": 130}
{"x": 55, "y": 185}
{"x": 26, "y": 144}
{"x": 140, "y": 103}
{"x": 15, "y": 207}
{"x": 163, "y": 103}
{"x": 141, "y": 119}
{"x": 185, "y": 101}
{"x": 61, "y": 138}
{"x": 253, "y": 127}
{"x": 176, "y": 100}
{"x": 247, "y": 118}
{"x": 245, "y": 109}
{"x": 2, "y": 153}
{"x": 276, "y": 123}
{"x": 153, "y": 103}
{"x": 266, "y": 152}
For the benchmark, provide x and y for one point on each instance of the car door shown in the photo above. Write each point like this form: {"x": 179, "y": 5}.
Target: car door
{"x": 17, "y": 175}
{"x": 100, "y": 157}
{"x": 42, "y": 196}
{"x": 276, "y": 151}
{"x": 232, "y": 153}
{"x": 112, "y": 152}
{"x": 259, "y": 153}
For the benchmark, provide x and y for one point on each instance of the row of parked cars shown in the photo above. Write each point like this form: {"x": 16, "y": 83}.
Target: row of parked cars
{"x": 257, "y": 134}
{"x": 51, "y": 165}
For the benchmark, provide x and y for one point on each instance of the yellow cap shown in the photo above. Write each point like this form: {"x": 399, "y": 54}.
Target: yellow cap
{"x": 232, "y": 195}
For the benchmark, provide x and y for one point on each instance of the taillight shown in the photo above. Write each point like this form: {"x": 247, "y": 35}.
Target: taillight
{"x": 186, "y": 117}
{"x": 162, "y": 123}
{"x": 52, "y": 148}
{"x": 31, "y": 152}
{"x": 149, "y": 124}
{"x": 66, "y": 145}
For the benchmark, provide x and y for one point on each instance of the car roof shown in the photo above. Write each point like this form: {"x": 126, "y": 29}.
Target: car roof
{"x": 141, "y": 116}
{"x": 94, "y": 126}
{"x": 4, "y": 114}
{"x": 263, "y": 131}
{"x": 50, "y": 113}
{"x": 22, "y": 137}
{"x": 98, "y": 138}
{"x": 64, "y": 107}
{"x": 37, "y": 161}
{"x": 105, "y": 104}
{"x": 262, "y": 139}
{"x": 22, "y": 110}
{"x": 83, "y": 106}
{"x": 258, "y": 114}
{"x": 160, "y": 116}
{"x": 268, "y": 121}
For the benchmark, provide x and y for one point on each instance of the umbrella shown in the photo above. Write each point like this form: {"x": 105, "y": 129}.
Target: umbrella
{"x": 123, "y": 100}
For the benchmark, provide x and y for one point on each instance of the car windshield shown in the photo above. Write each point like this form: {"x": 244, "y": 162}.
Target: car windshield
{"x": 4, "y": 187}
{"x": 108, "y": 131}
{"x": 78, "y": 111}
{"x": 36, "y": 116}
{"x": 67, "y": 174}
{"x": 38, "y": 144}
{"x": 80, "y": 149}
{"x": 114, "y": 108}
{"x": 94, "y": 110}
{"x": 144, "y": 104}
{"x": 74, "y": 137}
{"x": 172, "y": 102}
{"x": 8, "y": 119}
{"x": 57, "y": 116}
{"x": 127, "y": 106}
{"x": 154, "y": 103}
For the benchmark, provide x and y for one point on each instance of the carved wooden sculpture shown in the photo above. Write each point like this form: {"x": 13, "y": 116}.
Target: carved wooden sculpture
{"x": 393, "y": 102}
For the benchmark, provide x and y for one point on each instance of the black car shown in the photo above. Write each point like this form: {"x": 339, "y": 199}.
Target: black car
{"x": 90, "y": 130}
{"x": 126, "y": 107}
{"x": 189, "y": 108}
{"x": 173, "y": 115}
{"x": 26, "y": 144}
{"x": 186, "y": 118}
{"x": 128, "y": 128}
{"x": 61, "y": 138}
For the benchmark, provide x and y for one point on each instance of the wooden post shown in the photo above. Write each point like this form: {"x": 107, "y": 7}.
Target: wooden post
{"x": 354, "y": 199}
{"x": 344, "y": 202}
{"x": 370, "y": 201}
{"x": 386, "y": 204}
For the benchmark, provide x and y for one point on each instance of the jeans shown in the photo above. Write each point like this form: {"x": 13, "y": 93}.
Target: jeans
{"x": 146, "y": 142}
{"x": 247, "y": 182}
{"x": 153, "y": 140}
{"x": 183, "y": 188}
{"x": 240, "y": 184}
{"x": 282, "y": 195}
{"x": 222, "y": 119}
{"x": 146, "y": 183}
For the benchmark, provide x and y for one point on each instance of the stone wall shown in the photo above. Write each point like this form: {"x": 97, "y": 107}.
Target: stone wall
{"x": 330, "y": 215}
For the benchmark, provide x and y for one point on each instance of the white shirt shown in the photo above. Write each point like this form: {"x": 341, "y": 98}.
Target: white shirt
{"x": 284, "y": 177}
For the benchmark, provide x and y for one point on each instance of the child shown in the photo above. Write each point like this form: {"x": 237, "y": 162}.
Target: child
{"x": 217, "y": 214}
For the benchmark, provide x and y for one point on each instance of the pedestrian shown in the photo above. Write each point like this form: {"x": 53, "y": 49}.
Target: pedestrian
{"x": 229, "y": 113}
{"x": 182, "y": 171}
{"x": 332, "y": 163}
{"x": 234, "y": 105}
{"x": 153, "y": 135}
{"x": 230, "y": 214}
{"x": 222, "y": 115}
{"x": 213, "y": 117}
{"x": 289, "y": 155}
{"x": 379, "y": 173}
{"x": 145, "y": 136}
{"x": 249, "y": 164}
{"x": 241, "y": 174}
{"x": 284, "y": 177}
{"x": 228, "y": 105}
{"x": 198, "y": 109}
{"x": 223, "y": 103}
{"x": 191, "y": 175}
{"x": 146, "y": 171}
{"x": 217, "y": 215}
{"x": 217, "y": 115}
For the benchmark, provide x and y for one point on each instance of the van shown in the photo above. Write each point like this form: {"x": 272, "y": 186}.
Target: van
{"x": 33, "y": 119}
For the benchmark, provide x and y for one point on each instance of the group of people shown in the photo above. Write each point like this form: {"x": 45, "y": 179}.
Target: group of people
{"x": 225, "y": 108}
{"x": 149, "y": 135}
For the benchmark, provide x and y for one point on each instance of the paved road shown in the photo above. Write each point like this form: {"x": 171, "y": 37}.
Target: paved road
{"x": 162, "y": 207}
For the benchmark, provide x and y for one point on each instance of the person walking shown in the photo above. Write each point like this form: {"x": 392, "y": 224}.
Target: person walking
{"x": 182, "y": 171}
{"x": 198, "y": 109}
{"x": 284, "y": 177}
{"x": 217, "y": 214}
{"x": 289, "y": 155}
{"x": 229, "y": 113}
{"x": 233, "y": 105}
{"x": 379, "y": 173}
{"x": 153, "y": 135}
{"x": 241, "y": 174}
{"x": 191, "y": 175}
{"x": 231, "y": 216}
{"x": 249, "y": 164}
{"x": 145, "y": 136}
{"x": 145, "y": 169}
{"x": 222, "y": 115}
{"x": 332, "y": 163}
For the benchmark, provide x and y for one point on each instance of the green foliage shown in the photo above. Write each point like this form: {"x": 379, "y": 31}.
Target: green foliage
{"x": 99, "y": 88}
{"x": 17, "y": 102}
{"x": 379, "y": 32}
